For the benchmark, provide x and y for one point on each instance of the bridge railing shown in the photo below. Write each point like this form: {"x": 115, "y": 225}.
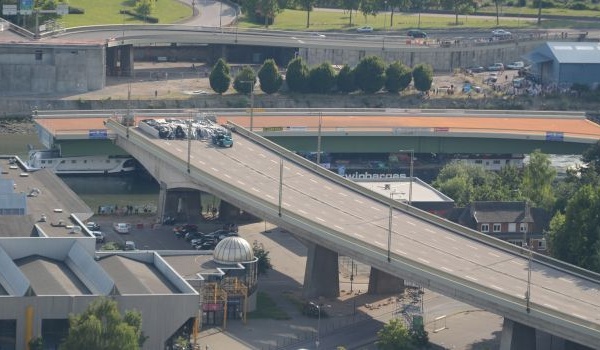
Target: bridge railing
{"x": 431, "y": 218}
{"x": 587, "y": 332}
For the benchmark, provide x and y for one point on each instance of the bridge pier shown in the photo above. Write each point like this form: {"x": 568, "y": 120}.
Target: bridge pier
{"x": 321, "y": 277}
{"x": 381, "y": 282}
{"x": 126, "y": 60}
{"x": 182, "y": 203}
{"x": 517, "y": 336}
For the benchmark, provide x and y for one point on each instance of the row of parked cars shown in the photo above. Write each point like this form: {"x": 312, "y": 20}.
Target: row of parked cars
{"x": 201, "y": 240}
{"x": 498, "y": 66}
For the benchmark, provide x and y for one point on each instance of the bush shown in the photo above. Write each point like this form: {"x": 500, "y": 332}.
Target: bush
{"x": 370, "y": 74}
{"x": 219, "y": 78}
{"x": 345, "y": 80}
{"x": 76, "y": 10}
{"x": 269, "y": 77}
{"x": 578, "y": 6}
{"x": 245, "y": 80}
{"x": 148, "y": 19}
{"x": 322, "y": 78}
{"x": 296, "y": 75}
{"x": 397, "y": 77}
{"x": 546, "y": 4}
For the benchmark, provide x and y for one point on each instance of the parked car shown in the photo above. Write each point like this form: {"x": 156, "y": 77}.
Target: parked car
{"x": 99, "y": 236}
{"x": 364, "y": 29}
{"x": 415, "y": 33}
{"x": 318, "y": 35}
{"x": 121, "y": 227}
{"x": 501, "y": 34}
{"x": 496, "y": 67}
{"x": 516, "y": 65}
{"x": 129, "y": 245}
{"x": 92, "y": 226}
{"x": 475, "y": 69}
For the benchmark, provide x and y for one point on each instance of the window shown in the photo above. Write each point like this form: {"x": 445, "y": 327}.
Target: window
{"x": 62, "y": 161}
{"x": 541, "y": 244}
{"x": 497, "y": 227}
{"x": 512, "y": 227}
{"x": 43, "y": 162}
{"x": 73, "y": 161}
{"x": 523, "y": 227}
{"x": 38, "y": 55}
{"x": 478, "y": 161}
{"x": 496, "y": 162}
{"x": 485, "y": 228}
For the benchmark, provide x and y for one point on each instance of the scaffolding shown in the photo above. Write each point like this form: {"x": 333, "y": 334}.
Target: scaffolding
{"x": 218, "y": 293}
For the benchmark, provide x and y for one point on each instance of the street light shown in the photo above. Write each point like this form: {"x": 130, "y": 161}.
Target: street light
{"x": 319, "y": 139}
{"x": 412, "y": 161}
{"x": 389, "y": 258}
{"x": 251, "y": 82}
{"x": 220, "y": 13}
{"x": 529, "y": 258}
{"x": 319, "y": 323}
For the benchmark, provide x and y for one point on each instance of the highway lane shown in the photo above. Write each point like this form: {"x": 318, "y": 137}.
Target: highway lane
{"x": 255, "y": 170}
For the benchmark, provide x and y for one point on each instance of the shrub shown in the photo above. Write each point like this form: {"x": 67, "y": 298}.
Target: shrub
{"x": 370, "y": 74}
{"x": 345, "y": 80}
{"x": 296, "y": 75}
{"x": 322, "y": 78}
{"x": 269, "y": 77}
{"x": 219, "y": 78}
{"x": 245, "y": 80}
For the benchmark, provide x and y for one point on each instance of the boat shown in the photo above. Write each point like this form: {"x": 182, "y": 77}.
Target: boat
{"x": 79, "y": 165}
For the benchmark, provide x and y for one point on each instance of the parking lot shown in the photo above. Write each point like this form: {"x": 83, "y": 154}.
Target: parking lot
{"x": 145, "y": 233}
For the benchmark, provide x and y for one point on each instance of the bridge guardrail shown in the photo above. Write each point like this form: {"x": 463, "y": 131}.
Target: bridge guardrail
{"x": 431, "y": 218}
{"x": 508, "y": 302}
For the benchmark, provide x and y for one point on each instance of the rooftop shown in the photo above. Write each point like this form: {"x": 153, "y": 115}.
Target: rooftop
{"x": 400, "y": 188}
{"x": 50, "y": 277}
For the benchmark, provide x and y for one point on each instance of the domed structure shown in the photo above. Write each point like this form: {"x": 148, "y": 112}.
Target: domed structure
{"x": 233, "y": 250}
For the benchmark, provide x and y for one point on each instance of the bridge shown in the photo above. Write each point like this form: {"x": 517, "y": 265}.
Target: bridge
{"x": 360, "y": 130}
{"x": 336, "y": 216}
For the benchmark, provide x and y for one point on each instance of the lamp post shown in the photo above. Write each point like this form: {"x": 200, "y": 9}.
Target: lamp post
{"x": 220, "y": 14}
{"x": 391, "y": 215}
{"x": 318, "y": 341}
{"x": 412, "y": 162}
{"x": 189, "y": 137}
{"x": 251, "y": 82}
{"x": 529, "y": 258}
{"x": 319, "y": 139}
{"x": 280, "y": 184}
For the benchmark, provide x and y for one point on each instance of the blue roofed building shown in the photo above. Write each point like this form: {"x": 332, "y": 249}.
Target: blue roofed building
{"x": 566, "y": 63}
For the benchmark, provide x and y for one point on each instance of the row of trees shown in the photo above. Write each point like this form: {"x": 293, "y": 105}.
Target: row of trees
{"x": 573, "y": 202}
{"x": 369, "y": 76}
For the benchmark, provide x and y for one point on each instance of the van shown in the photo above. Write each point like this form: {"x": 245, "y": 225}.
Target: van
{"x": 415, "y": 33}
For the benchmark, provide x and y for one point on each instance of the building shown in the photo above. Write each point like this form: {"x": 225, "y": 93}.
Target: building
{"x": 515, "y": 222}
{"x": 566, "y": 63}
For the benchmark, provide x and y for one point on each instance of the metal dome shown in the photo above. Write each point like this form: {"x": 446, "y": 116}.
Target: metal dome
{"x": 233, "y": 250}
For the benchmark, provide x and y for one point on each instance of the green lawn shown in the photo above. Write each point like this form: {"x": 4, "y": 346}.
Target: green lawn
{"x": 107, "y": 12}
{"x": 323, "y": 20}
{"x": 510, "y": 10}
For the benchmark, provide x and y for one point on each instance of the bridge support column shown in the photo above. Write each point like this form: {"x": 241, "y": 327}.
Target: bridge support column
{"x": 111, "y": 61}
{"x": 383, "y": 283}
{"x": 517, "y": 336}
{"x": 126, "y": 59}
{"x": 162, "y": 200}
{"x": 228, "y": 212}
{"x": 321, "y": 277}
{"x": 183, "y": 204}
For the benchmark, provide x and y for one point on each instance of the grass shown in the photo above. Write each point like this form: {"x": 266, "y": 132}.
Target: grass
{"x": 513, "y": 10}
{"x": 107, "y": 12}
{"x": 323, "y": 20}
{"x": 267, "y": 308}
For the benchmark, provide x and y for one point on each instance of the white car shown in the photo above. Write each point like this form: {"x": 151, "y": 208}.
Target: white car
{"x": 516, "y": 65}
{"x": 496, "y": 67}
{"x": 318, "y": 35}
{"x": 364, "y": 29}
{"x": 121, "y": 227}
{"x": 501, "y": 34}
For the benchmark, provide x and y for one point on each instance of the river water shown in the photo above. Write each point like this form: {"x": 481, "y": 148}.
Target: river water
{"x": 139, "y": 189}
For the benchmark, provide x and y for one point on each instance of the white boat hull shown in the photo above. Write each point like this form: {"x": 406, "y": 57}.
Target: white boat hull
{"x": 83, "y": 165}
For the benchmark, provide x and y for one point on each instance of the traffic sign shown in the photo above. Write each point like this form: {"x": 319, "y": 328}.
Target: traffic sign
{"x": 62, "y": 9}
{"x": 9, "y": 10}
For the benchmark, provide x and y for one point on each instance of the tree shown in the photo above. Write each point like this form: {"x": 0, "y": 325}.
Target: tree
{"x": 296, "y": 75}
{"x": 245, "y": 80}
{"x": 466, "y": 183}
{"x": 423, "y": 77}
{"x": 144, "y": 7}
{"x": 458, "y": 7}
{"x": 394, "y": 336}
{"x": 269, "y": 77}
{"x": 575, "y": 235}
{"x": 36, "y": 344}
{"x": 369, "y": 74}
{"x": 350, "y": 5}
{"x": 538, "y": 177}
{"x": 397, "y": 77}
{"x": 263, "y": 265}
{"x": 268, "y": 9}
{"x": 322, "y": 78}
{"x": 345, "y": 80}
{"x": 308, "y": 6}
{"x": 369, "y": 7}
{"x": 101, "y": 327}
{"x": 219, "y": 78}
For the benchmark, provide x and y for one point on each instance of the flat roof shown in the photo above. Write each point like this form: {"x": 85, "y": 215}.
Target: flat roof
{"x": 399, "y": 189}
{"x": 50, "y": 277}
{"x": 189, "y": 266}
{"x": 47, "y": 195}
{"x": 136, "y": 277}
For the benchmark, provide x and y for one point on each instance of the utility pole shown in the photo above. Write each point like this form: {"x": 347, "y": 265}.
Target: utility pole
{"x": 412, "y": 162}
{"x": 319, "y": 139}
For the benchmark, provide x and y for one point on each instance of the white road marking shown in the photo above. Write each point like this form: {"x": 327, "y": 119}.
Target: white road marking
{"x": 286, "y": 167}
{"x": 287, "y": 204}
{"x": 178, "y": 149}
{"x": 430, "y": 231}
{"x": 167, "y": 143}
{"x": 215, "y": 170}
{"x": 251, "y": 149}
{"x": 375, "y": 208}
{"x": 269, "y": 196}
{"x": 401, "y": 251}
{"x": 471, "y": 278}
{"x": 342, "y": 194}
{"x": 494, "y": 255}
{"x": 423, "y": 260}
{"x": 302, "y": 211}
{"x": 496, "y": 287}
{"x": 191, "y": 156}
{"x": 227, "y": 176}
{"x": 255, "y": 189}
{"x": 201, "y": 162}
{"x": 339, "y": 227}
{"x": 472, "y": 247}
{"x": 358, "y": 201}
{"x": 359, "y": 235}
{"x": 580, "y": 316}
{"x": 449, "y": 238}
{"x": 262, "y": 155}
{"x": 274, "y": 161}
{"x": 379, "y": 243}
{"x": 241, "y": 183}
{"x": 565, "y": 280}
{"x": 318, "y": 218}
{"x": 314, "y": 181}
{"x": 446, "y": 269}
{"x": 411, "y": 223}
{"x": 327, "y": 188}
{"x": 299, "y": 174}
{"x": 517, "y": 262}
{"x": 550, "y": 306}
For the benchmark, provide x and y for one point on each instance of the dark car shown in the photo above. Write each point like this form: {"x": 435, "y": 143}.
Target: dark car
{"x": 415, "y": 33}
{"x": 475, "y": 69}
